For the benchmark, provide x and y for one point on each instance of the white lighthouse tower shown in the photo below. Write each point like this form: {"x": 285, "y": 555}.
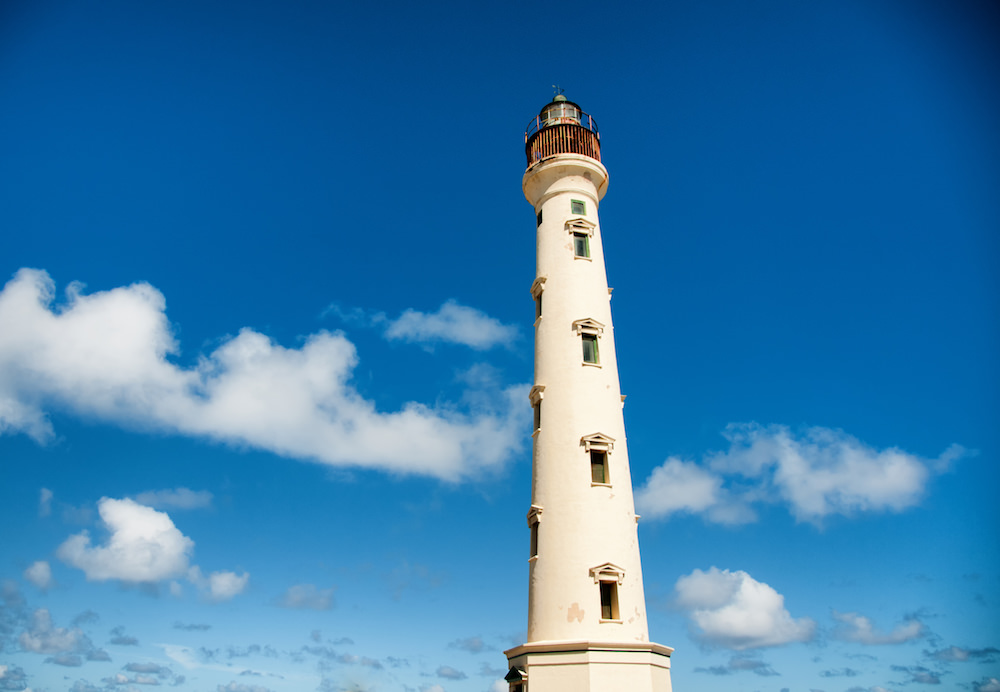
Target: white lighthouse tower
{"x": 587, "y": 629}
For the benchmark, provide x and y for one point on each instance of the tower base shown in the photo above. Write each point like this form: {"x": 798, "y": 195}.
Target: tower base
{"x": 589, "y": 666}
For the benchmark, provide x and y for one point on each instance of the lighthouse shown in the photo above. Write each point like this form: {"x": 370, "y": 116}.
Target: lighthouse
{"x": 587, "y": 627}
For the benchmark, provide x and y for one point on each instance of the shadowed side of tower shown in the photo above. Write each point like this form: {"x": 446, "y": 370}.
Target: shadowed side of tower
{"x": 587, "y": 628}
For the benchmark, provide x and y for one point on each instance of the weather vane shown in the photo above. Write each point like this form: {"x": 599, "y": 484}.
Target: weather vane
{"x": 559, "y": 89}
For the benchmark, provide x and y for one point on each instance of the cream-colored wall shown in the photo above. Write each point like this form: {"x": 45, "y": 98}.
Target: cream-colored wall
{"x": 594, "y": 667}
{"x": 582, "y": 526}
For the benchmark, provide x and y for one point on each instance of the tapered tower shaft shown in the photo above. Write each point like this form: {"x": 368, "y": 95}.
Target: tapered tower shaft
{"x": 587, "y": 626}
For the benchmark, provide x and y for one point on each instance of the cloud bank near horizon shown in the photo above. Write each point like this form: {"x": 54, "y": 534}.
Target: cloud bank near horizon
{"x": 107, "y": 356}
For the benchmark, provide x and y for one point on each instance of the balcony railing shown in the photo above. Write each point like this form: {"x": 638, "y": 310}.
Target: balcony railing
{"x": 562, "y": 139}
{"x": 549, "y": 137}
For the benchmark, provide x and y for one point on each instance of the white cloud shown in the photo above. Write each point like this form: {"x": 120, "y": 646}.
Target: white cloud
{"x": 817, "y": 473}
{"x": 733, "y": 610}
{"x": 858, "y": 628}
{"x": 144, "y": 545}
{"x": 178, "y": 498}
{"x": 39, "y": 574}
{"x": 106, "y": 356}
{"x": 987, "y": 685}
{"x": 452, "y": 323}
{"x": 44, "y": 500}
{"x": 43, "y": 637}
{"x": 307, "y": 597}
{"x": 219, "y": 586}
{"x": 678, "y": 486}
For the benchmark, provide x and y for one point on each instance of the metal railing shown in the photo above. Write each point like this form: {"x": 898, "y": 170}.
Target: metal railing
{"x": 544, "y": 141}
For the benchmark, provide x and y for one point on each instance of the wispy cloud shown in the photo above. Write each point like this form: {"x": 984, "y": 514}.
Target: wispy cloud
{"x": 855, "y": 627}
{"x": 452, "y": 323}
{"x": 307, "y": 597}
{"x": 296, "y": 402}
{"x": 919, "y": 674}
{"x": 449, "y": 673}
{"x": 177, "y": 498}
{"x": 817, "y": 473}
{"x": 43, "y": 637}
{"x": 956, "y": 654}
{"x": 119, "y": 638}
{"x": 44, "y": 499}
{"x": 739, "y": 664}
{"x": 735, "y": 611}
{"x": 473, "y": 645}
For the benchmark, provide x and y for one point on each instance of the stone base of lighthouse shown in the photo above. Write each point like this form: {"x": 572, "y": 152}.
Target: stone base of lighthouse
{"x": 589, "y": 666}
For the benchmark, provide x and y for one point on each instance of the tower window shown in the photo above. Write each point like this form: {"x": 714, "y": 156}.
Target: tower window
{"x": 590, "y": 354}
{"x": 581, "y": 245}
{"x": 578, "y": 207}
{"x": 534, "y": 519}
{"x": 536, "y": 292}
{"x": 535, "y": 396}
{"x": 599, "y": 467}
{"x": 538, "y": 218}
{"x": 609, "y": 600}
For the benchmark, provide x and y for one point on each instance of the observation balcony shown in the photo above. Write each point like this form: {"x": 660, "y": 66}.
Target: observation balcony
{"x": 561, "y": 128}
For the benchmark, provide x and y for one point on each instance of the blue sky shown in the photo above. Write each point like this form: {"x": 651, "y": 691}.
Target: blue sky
{"x": 265, "y": 338}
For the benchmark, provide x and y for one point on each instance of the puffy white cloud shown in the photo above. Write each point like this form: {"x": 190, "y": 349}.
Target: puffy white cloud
{"x": 105, "y": 355}
{"x": 452, "y": 323}
{"x": 678, "y": 486}
{"x": 178, "y": 498}
{"x": 39, "y": 574}
{"x": 817, "y": 473}
{"x": 733, "y": 610}
{"x": 307, "y": 597}
{"x": 854, "y": 627}
{"x": 144, "y": 545}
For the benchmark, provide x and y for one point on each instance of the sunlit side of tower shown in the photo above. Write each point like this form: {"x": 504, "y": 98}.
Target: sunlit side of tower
{"x": 587, "y": 627}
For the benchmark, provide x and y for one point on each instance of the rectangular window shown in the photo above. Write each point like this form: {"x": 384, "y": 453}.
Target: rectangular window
{"x": 538, "y": 415}
{"x": 538, "y": 306}
{"x": 578, "y": 207}
{"x": 581, "y": 244}
{"x": 534, "y": 539}
{"x": 598, "y": 466}
{"x": 590, "y": 354}
{"x": 609, "y": 600}
{"x": 538, "y": 218}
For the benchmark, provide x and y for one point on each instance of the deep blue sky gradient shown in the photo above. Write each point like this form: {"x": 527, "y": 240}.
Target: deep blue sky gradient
{"x": 801, "y": 229}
